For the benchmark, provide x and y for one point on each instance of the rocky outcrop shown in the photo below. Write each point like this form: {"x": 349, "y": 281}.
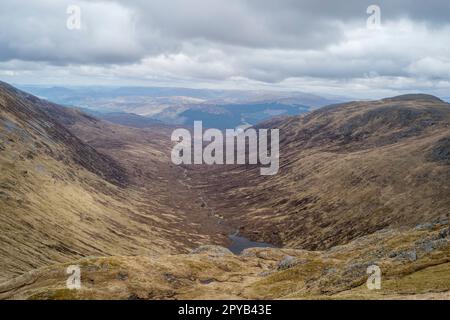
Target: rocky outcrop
{"x": 287, "y": 262}
{"x": 215, "y": 251}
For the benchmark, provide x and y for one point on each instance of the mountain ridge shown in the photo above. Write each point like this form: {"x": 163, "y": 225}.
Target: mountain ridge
{"x": 363, "y": 147}
{"x": 359, "y": 184}
{"x": 73, "y": 186}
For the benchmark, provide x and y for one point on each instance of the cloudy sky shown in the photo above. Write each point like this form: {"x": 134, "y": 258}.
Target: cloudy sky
{"x": 315, "y": 46}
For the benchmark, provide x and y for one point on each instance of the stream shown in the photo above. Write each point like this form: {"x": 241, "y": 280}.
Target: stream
{"x": 238, "y": 243}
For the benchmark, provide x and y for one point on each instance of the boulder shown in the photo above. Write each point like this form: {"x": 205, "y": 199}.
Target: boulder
{"x": 424, "y": 226}
{"x": 410, "y": 255}
{"x": 216, "y": 251}
{"x": 445, "y": 233}
{"x": 287, "y": 262}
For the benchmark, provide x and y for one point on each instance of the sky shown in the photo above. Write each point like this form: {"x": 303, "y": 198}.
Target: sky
{"x": 323, "y": 47}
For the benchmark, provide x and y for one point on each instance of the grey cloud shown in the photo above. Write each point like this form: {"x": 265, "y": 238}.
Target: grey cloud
{"x": 212, "y": 41}
{"x": 35, "y": 30}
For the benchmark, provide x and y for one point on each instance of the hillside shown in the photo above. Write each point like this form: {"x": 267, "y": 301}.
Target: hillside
{"x": 415, "y": 264}
{"x": 360, "y": 183}
{"x": 345, "y": 171}
{"x": 110, "y": 190}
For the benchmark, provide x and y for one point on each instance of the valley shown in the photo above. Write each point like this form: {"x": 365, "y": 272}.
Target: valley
{"x": 360, "y": 183}
{"x": 118, "y": 193}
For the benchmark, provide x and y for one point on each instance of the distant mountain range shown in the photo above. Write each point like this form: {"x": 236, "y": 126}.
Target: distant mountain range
{"x": 182, "y": 106}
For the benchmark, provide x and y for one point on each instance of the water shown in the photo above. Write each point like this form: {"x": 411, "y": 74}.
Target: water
{"x": 240, "y": 243}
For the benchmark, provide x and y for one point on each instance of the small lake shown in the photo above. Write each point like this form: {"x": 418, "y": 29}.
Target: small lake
{"x": 240, "y": 243}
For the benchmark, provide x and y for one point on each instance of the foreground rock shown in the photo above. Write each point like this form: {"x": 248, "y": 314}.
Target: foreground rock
{"x": 287, "y": 263}
{"x": 216, "y": 251}
{"x": 212, "y": 272}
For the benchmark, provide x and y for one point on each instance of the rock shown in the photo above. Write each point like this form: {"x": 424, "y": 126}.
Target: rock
{"x": 249, "y": 252}
{"x": 441, "y": 151}
{"x": 170, "y": 277}
{"x": 444, "y": 233}
{"x": 207, "y": 281}
{"x": 265, "y": 273}
{"x": 134, "y": 296}
{"x": 122, "y": 276}
{"x": 216, "y": 251}
{"x": 287, "y": 262}
{"x": 424, "y": 226}
{"x": 355, "y": 270}
{"x": 329, "y": 270}
{"x": 261, "y": 253}
{"x": 426, "y": 246}
{"x": 441, "y": 221}
{"x": 441, "y": 243}
{"x": 410, "y": 255}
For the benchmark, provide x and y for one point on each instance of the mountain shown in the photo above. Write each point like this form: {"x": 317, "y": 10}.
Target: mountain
{"x": 179, "y": 106}
{"x": 73, "y": 186}
{"x": 232, "y": 116}
{"x": 346, "y": 171}
{"x": 125, "y": 119}
{"x": 360, "y": 184}
{"x": 82, "y": 94}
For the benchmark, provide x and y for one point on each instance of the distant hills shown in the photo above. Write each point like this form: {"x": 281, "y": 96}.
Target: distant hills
{"x": 181, "y": 106}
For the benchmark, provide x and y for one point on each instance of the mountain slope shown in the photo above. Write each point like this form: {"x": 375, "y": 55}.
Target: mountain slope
{"x": 345, "y": 171}
{"x": 415, "y": 265}
{"x": 360, "y": 184}
{"x": 62, "y": 198}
